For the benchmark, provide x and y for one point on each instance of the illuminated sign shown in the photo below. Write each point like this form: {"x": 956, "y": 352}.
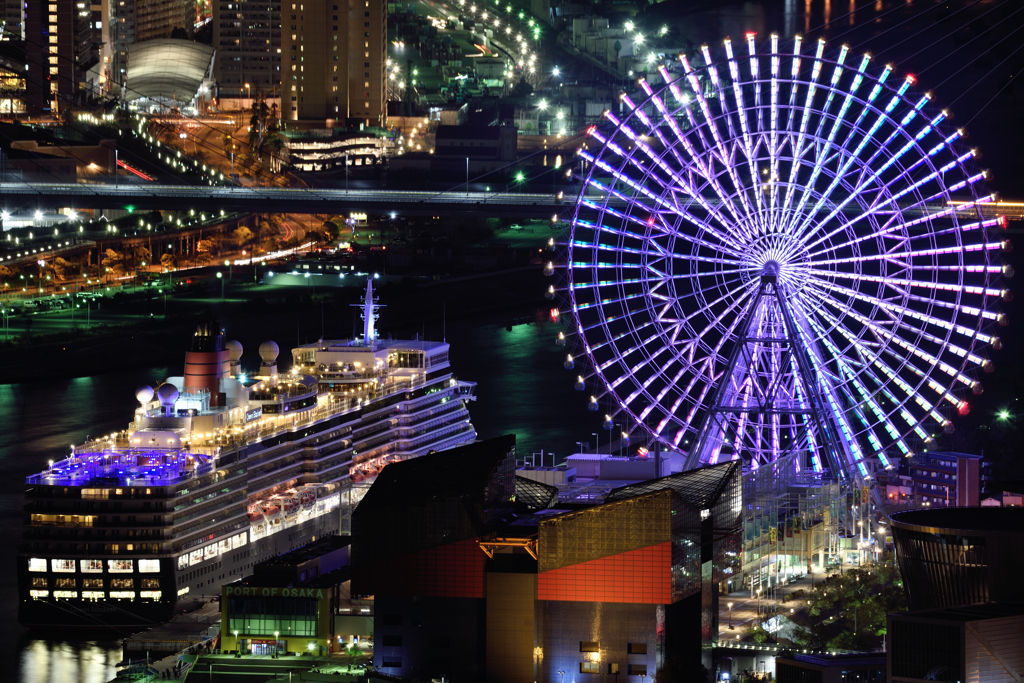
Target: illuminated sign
{"x": 253, "y": 414}
{"x": 255, "y": 591}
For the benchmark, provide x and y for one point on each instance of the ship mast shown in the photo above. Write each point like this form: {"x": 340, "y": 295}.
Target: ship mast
{"x": 370, "y": 314}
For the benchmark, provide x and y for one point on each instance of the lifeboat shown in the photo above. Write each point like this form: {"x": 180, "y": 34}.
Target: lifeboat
{"x": 357, "y": 476}
{"x": 291, "y": 506}
{"x": 272, "y": 509}
{"x": 307, "y": 498}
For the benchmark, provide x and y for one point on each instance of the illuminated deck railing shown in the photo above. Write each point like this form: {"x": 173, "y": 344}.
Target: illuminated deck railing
{"x": 115, "y": 467}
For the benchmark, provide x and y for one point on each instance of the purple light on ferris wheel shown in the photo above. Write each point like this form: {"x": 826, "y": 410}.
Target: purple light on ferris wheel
{"x": 838, "y": 180}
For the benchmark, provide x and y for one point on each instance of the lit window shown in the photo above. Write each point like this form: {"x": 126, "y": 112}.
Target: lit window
{"x": 590, "y": 668}
{"x": 120, "y": 566}
{"x": 39, "y": 594}
{"x": 36, "y": 564}
{"x": 123, "y": 595}
{"x": 149, "y": 566}
{"x": 93, "y": 595}
{"x": 65, "y": 594}
{"x": 155, "y": 595}
{"x": 64, "y": 566}
{"x": 91, "y": 566}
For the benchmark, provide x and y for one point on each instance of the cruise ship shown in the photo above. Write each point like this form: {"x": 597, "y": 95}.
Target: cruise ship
{"x": 220, "y": 470}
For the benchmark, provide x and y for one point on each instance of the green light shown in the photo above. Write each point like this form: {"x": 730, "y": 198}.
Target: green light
{"x": 1004, "y": 415}
{"x": 130, "y": 209}
{"x": 520, "y": 177}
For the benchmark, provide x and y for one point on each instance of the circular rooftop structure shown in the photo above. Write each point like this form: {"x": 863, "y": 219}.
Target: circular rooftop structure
{"x": 167, "y": 70}
{"x": 951, "y": 557}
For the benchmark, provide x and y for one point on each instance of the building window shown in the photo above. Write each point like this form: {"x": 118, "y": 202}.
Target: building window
{"x": 613, "y": 669}
{"x": 589, "y": 646}
{"x": 392, "y": 662}
{"x": 637, "y": 648}
{"x": 391, "y": 619}
{"x": 637, "y": 669}
{"x": 392, "y": 641}
{"x": 590, "y": 668}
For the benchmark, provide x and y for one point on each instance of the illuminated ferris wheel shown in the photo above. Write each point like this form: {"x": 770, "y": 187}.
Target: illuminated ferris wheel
{"x": 781, "y": 251}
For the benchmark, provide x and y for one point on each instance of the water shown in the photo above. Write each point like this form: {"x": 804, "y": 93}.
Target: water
{"x": 522, "y": 389}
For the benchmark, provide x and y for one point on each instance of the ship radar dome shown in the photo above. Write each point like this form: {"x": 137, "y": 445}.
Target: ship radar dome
{"x": 144, "y": 394}
{"x": 269, "y": 351}
{"x": 167, "y": 393}
{"x": 234, "y": 348}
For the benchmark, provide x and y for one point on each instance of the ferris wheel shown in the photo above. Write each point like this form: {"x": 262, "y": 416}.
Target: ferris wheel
{"x": 781, "y": 250}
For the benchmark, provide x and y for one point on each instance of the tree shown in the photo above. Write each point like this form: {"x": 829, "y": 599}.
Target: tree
{"x": 242, "y": 235}
{"x": 113, "y": 262}
{"x": 63, "y": 269}
{"x": 522, "y": 89}
{"x": 169, "y": 261}
{"x": 351, "y": 652}
{"x": 178, "y": 33}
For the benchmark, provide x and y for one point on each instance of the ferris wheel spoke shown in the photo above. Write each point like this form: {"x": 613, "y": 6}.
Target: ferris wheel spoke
{"x": 891, "y": 335}
{"x": 876, "y": 361}
{"x": 898, "y": 313}
{"x": 741, "y": 110}
{"x": 799, "y": 148}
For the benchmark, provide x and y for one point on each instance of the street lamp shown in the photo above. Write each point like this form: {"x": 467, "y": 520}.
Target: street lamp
{"x": 758, "y": 602}
{"x": 731, "y": 627}
{"x": 248, "y": 92}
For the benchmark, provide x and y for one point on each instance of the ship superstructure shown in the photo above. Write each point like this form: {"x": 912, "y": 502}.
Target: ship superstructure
{"x": 220, "y": 470}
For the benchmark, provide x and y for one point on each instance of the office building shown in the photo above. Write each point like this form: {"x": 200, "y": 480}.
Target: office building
{"x": 931, "y": 479}
{"x": 332, "y": 60}
{"x": 137, "y": 21}
{"x": 830, "y": 668}
{"x": 247, "y": 37}
{"x": 13, "y": 19}
{"x": 60, "y": 49}
{"x": 481, "y": 575}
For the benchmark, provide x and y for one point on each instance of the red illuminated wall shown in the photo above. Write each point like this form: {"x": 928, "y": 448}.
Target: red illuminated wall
{"x": 455, "y": 570}
{"x": 642, "y": 576}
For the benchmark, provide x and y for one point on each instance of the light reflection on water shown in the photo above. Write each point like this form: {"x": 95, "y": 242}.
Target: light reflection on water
{"x": 60, "y": 661}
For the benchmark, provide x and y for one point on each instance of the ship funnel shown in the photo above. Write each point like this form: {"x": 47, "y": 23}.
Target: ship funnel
{"x": 207, "y": 363}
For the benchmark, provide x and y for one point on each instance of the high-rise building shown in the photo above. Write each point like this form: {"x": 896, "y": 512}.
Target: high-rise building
{"x": 60, "y": 49}
{"x": 141, "y": 20}
{"x": 332, "y": 63}
{"x": 247, "y": 36}
{"x": 13, "y": 20}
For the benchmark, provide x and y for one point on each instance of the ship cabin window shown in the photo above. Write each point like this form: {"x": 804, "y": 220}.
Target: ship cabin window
{"x": 149, "y": 566}
{"x": 64, "y": 566}
{"x": 122, "y": 583}
{"x": 39, "y": 582}
{"x": 92, "y": 583}
{"x": 66, "y": 582}
{"x": 407, "y": 359}
{"x": 151, "y": 583}
{"x": 92, "y": 566}
{"x": 36, "y": 564}
{"x": 120, "y": 566}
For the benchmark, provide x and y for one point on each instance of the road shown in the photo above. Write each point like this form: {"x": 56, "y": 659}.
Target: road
{"x": 281, "y": 200}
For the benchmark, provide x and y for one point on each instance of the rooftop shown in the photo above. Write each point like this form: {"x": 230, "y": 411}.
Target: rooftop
{"x": 327, "y": 544}
{"x": 700, "y": 487}
{"x": 979, "y": 519}
{"x": 167, "y": 68}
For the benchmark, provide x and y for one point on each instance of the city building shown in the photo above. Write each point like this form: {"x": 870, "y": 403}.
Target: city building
{"x": 932, "y": 478}
{"x": 960, "y": 573}
{"x": 137, "y": 21}
{"x": 247, "y": 37}
{"x": 830, "y": 668}
{"x": 60, "y": 50}
{"x": 462, "y": 151}
{"x": 13, "y": 20}
{"x": 328, "y": 148}
{"x": 479, "y": 574}
{"x": 977, "y": 643}
{"x": 332, "y": 61}
{"x": 960, "y": 556}
{"x": 169, "y": 74}
{"x": 289, "y": 602}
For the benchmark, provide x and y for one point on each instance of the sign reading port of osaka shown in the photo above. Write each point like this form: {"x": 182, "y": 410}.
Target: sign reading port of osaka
{"x": 275, "y": 592}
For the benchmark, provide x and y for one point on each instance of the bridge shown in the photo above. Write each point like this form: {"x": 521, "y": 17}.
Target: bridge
{"x": 325, "y": 200}
{"x": 280, "y": 199}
